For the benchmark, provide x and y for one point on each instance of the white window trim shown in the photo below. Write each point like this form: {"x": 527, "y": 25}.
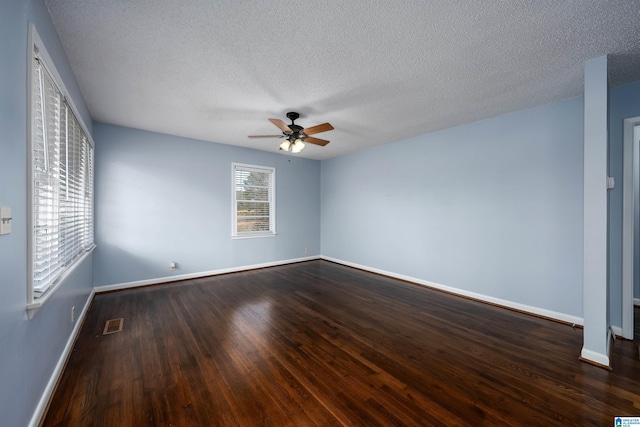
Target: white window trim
{"x": 35, "y": 43}
{"x": 272, "y": 202}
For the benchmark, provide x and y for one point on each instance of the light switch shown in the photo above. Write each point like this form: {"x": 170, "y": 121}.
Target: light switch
{"x": 5, "y": 221}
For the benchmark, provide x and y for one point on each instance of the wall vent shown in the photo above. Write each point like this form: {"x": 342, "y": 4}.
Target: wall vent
{"x": 112, "y": 326}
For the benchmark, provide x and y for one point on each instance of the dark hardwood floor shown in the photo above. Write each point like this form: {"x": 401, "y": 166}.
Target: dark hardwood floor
{"x": 319, "y": 344}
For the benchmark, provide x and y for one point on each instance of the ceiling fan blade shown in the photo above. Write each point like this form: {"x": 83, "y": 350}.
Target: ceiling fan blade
{"x": 282, "y": 125}
{"x": 318, "y": 128}
{"x": 265, "y": 136}
{"x": 317, "y": 141}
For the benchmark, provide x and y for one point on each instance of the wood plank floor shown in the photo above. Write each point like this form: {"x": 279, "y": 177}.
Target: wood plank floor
{"x": 319, "y": 344}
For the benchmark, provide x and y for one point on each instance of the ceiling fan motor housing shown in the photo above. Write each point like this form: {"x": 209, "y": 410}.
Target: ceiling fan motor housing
{"x": 296, "y": 131}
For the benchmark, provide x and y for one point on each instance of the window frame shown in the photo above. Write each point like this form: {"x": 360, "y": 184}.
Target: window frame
{"x": 235, "y": 234}
{"x": 37, "y": 52}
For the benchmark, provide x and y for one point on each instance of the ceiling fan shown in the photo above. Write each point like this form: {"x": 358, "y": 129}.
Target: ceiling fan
{"x": 296, "y": 135}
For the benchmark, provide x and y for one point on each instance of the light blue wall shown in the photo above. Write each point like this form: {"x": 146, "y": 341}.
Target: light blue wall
{"x": 493, "y": 207}
{"x": 29, "y": 349}
{"x": 624, "y": 102}
{"x": 162, "y": 198}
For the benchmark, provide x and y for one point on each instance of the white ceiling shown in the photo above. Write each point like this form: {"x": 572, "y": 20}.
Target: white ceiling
{"x": 377, "y": 70}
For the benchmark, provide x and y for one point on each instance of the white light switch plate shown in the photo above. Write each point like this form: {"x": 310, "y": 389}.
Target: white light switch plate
{"x": 5, "y": 220}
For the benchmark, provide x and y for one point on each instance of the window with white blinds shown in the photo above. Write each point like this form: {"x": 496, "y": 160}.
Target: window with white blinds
{"x": 61, "y": 183}
{"x": 253, "y": 201}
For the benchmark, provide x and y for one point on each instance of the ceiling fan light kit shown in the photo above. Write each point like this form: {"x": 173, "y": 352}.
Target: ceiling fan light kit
{"x": 285, "y": 145}
{"x": 297, "y": 146}
{"x": 295, "y": 135}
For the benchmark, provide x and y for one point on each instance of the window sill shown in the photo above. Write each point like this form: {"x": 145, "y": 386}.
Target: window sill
{"x": 253, "y": 236}
{"x": 37, "y": 303}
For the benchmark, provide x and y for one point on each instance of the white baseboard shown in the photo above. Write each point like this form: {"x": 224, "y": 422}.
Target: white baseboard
{"x": 136, "y": 284}
{"x": 594, "y": 356}
{"x": 636, "y": 301}
{"x": 567, "y": 318}
{"x": 617, "y": 330}
{"x": 57, "y": 372}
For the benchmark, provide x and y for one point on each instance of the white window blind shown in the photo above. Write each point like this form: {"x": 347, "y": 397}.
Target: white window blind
{"x": 61, "y": 183}
{"x": 253, "y": 201}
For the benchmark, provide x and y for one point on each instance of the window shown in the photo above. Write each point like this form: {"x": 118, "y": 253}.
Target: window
{"x": 61, "y": 181}
{"x": 253, "y": 201}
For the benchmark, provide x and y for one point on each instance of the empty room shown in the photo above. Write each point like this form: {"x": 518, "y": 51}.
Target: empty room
{"x": 280, "y": 213}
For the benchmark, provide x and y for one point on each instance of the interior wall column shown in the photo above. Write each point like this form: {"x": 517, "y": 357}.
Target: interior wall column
{"x": 595, "y": 289}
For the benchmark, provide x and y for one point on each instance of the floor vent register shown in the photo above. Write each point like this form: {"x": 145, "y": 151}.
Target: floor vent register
{"x": 112, "y": 326}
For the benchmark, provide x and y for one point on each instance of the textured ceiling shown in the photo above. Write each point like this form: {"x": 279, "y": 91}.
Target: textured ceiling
{"x": 378, "y": 70}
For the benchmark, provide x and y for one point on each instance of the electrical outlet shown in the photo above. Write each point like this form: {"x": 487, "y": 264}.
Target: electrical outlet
{"x": 172, "y": 266}
{"x": 73, "y": 314}
{"x": 306, "y": 250}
